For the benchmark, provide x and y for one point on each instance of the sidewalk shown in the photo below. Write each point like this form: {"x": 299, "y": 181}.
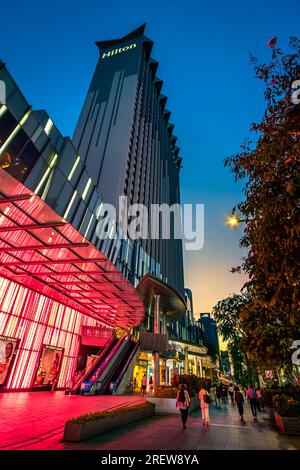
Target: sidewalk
{"x": 32, "y": 418}
{"x": 165, "y": 433}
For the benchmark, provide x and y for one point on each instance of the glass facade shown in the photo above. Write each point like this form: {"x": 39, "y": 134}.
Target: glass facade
{"x": 54, "y": 278}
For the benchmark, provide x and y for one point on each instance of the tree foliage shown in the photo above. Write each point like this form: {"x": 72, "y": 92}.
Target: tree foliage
{"x": 270, "y": 168}
{"x": 227, "y": 313}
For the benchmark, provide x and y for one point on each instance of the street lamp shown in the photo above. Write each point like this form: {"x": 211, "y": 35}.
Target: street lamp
{"x": 233, "y": 221}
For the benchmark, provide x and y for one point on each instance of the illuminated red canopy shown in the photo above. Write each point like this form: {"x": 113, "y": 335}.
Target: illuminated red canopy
{"x": 42, "y": 251}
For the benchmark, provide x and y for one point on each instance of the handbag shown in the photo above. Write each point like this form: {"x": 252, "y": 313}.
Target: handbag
{"x": 207, "y": 399}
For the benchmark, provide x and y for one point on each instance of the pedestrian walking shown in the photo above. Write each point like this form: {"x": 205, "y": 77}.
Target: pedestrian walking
{"x": 219, "y": 393}
{"x": 151, "y": 386}
{"x": 204, "y": 404}
{"x": 251, "y": 395}
{"x": 183, "y": 402}
{"x": 239, "y": 399}
{"x": 211, "y": 394}
{"x": 223, "y": 394}
{"x": 226, "y": 393}
{"x": 214, "y": 392}
{"x": 258, "y": 399}
{"x": 231, "y": 393}
{"x": 144, "y": 385}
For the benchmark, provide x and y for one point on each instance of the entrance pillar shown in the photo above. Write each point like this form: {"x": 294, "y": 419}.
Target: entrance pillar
{"x": 201, "y": 371}
{"x": 156, "y": 314}
{"x": 186, "y": 360}
{"x": 164, "y": 324}
{"x": 156, "y": 331}
{"x": 164, "y": 377}
{"x": 156, "y": 370}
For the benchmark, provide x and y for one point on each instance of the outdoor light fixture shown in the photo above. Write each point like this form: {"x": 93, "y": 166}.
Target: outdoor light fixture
{"x": 233, "y": 221}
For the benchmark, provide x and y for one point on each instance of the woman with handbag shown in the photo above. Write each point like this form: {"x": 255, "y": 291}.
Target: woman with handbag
{"x": 183, "y": 403}
{"x": 204, "y": 404}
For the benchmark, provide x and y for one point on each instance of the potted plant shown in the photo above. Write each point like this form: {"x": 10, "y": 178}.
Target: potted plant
{"x": 287, "y": 413}
{"x": 268, "y": 394}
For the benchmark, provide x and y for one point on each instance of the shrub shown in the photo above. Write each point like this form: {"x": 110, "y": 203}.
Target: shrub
{"x": 192, "y": 382}
{"x": 166, "y": 392}
{"x": 268, "y": 395}
{"x": 286, "y": 405}
{"x": 88, "y": 417}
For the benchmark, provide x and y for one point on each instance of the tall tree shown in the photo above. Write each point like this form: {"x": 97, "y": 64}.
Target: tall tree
{"x": 227, "y": 313}
{"x": 270, "y": 167}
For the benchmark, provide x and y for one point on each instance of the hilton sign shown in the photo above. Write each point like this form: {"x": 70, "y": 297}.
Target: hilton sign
{"x": 117, "y": 51}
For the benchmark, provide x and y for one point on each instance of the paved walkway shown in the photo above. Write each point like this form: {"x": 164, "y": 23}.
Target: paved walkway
{"x": 35, "y": 421}
{"x": 166, "y": 433}
{"x": 34, "y": 418}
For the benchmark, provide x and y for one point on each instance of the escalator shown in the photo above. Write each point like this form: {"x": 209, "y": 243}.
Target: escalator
{"x": 90, "y": 373}
{"x": 99, "y": 377}
{"x": 114, "y": 377}
{"x": 123, "y": 381}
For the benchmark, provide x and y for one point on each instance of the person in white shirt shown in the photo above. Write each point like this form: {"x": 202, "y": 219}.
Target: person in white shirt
{"x": 204, "y": 404}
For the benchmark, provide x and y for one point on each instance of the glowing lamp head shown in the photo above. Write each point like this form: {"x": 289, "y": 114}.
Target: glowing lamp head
{"x": 232, "y": 221}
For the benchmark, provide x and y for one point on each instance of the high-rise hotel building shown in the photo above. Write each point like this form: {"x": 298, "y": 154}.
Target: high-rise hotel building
{"x": 125, "y": 138}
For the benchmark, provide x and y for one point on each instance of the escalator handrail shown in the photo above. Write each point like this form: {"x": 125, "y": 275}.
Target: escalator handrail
{"x": 110, "y": 356}
{"x": 106, "y": 381}
{"x": 93, "y": 364}
{"x": 124, "y": 369}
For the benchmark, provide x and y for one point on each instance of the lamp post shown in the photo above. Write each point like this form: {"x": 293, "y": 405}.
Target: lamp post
{"x": 233, "y": 221}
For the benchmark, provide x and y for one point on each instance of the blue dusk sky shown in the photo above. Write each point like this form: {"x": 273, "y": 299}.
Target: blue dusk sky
{"x": 203, "y": 51}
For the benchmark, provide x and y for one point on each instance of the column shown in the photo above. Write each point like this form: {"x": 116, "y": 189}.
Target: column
{"x": 164, "y": 372}
{"x": 201, "y": 371}
{"x": 186, "y": 360}
{"x": 164, "y": 324}
{"x": 156, "y": 377}
{"x": 156, "y": 314}
{"x": 174, "y": 368}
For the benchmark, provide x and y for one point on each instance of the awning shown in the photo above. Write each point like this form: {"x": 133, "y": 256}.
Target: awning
{"x": 171, "y": 302}
{"x": 42, "y": 251}
{"x": 207, "y": 363}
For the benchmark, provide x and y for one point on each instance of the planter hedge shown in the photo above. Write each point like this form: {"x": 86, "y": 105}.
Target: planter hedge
{"x": 93, "y": 424}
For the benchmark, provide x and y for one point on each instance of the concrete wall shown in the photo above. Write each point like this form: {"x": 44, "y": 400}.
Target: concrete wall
{"x": 168, "y": 405}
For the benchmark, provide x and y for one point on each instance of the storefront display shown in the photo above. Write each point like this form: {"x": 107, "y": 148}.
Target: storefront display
{"x": 49, "y": 367}
{"x": 7, "y": 349}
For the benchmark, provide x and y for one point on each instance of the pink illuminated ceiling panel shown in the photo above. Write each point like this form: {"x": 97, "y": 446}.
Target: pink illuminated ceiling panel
{"x": 13, "y": 213}
{"x": 57, "y": 261}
